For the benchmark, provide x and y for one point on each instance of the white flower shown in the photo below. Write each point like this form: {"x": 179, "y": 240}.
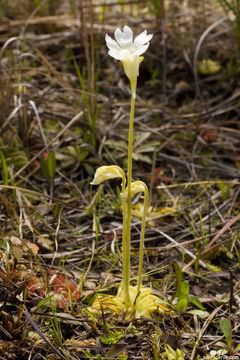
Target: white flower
{"x": 128, "y": 51}
{"x": 124, "y": 46}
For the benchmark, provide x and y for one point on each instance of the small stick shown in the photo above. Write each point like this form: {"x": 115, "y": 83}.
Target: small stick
{"x": 182, "y": 248}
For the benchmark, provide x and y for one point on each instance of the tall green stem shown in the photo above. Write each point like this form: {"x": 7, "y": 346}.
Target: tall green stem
{"x": 142, "y": 238}
{"x": 129, "y": 181}
{"x": 124, "y": 255}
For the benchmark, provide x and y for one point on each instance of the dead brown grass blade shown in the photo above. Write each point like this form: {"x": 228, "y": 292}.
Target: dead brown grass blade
{"x": 221, "y": 232}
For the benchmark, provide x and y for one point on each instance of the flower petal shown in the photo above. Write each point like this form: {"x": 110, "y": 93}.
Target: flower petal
{"x": 116, "y": 54}
{"x": 127, "y": 31}
{"x": 106, "y": 173}
{"x": 124, "y": 38}
{"x": 140, "y": 50}
{"x": 111, "y": 44}
{"x": 136, "y": 187}
{"x": 142, "y": 38}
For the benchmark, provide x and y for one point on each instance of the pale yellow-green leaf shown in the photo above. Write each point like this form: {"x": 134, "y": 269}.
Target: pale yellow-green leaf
{"x": 171, "y": 354}
{"x": 200, "y": 313}
{"x": 142, "y": 304}
{"x": 137, "y": 211}
{"x": 208, "y": 67}
{"x": 213, "y": 268}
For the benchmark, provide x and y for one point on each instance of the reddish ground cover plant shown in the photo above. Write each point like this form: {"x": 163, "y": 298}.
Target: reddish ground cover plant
{"x": 64, "y": 288}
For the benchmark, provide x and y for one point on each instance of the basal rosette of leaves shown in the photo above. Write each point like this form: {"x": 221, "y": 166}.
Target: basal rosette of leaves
{"x": 142, "y": 304}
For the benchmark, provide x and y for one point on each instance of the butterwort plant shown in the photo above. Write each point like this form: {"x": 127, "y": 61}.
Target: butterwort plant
{"x": 133, "y": 300}
{"x": 129, "y": 52}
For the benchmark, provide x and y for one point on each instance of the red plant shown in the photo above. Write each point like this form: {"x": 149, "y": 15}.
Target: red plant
{"x": 64, "y": 288}
{"x": 209, "y": 136}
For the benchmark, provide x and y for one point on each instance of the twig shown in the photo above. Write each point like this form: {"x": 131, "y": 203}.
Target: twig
{"x": 36, "y": 328}
{"x": 33, "y": 105}
{"x": 221, "y": 232}
{"x": 204, "y": 328}
{"x": 77, "y": 117}
{"x": 199, "y": 44}
{"x": 182, "y": 248}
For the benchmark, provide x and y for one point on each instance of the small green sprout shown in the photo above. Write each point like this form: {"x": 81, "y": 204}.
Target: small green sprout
{"x": 171, "y": 354}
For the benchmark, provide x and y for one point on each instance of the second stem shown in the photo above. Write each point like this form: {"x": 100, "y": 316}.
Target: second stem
{"x": 129, "y": 181}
